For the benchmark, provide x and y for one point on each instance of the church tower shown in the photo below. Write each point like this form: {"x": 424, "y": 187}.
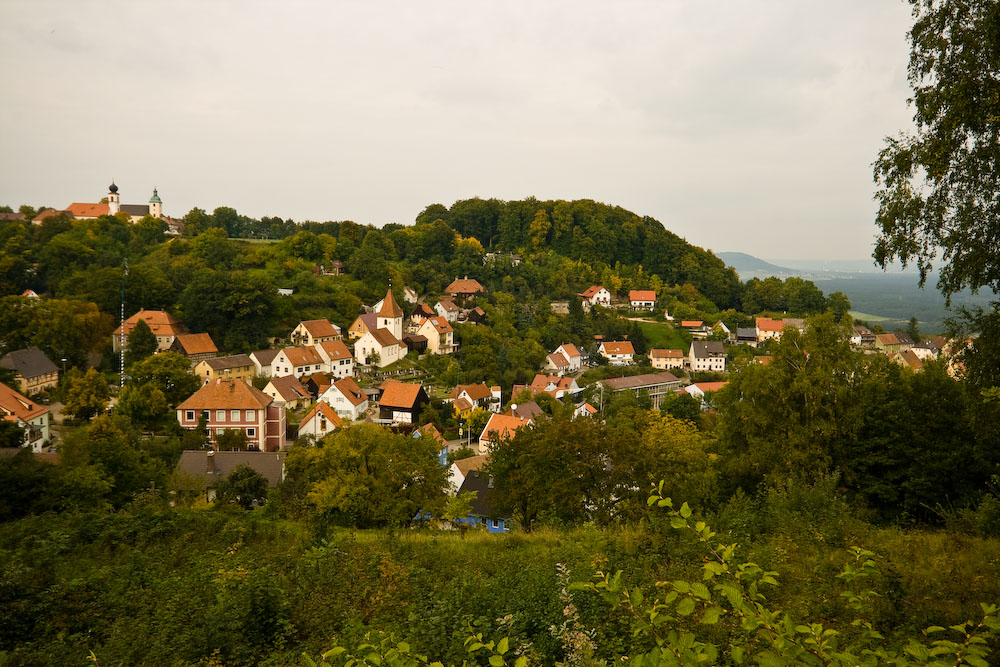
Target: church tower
{"x": 113, "y": 204}
{"x": 390, "y": 315}
{"x": 155, "y": 205}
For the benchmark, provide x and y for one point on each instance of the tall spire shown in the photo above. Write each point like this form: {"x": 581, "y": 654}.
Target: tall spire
{"x": 390, "y": 308}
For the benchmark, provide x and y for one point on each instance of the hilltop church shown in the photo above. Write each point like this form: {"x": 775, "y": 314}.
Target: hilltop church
{"x": 83, "y": 211}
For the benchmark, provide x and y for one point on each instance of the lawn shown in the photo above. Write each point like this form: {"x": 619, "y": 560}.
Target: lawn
{"x": 662, "y": 334}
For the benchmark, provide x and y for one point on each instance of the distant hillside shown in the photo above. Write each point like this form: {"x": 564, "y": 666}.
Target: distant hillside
{"x": 749, "y": 266}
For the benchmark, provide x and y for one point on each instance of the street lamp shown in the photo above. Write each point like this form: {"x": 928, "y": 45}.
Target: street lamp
{"x": 64, "y": 365}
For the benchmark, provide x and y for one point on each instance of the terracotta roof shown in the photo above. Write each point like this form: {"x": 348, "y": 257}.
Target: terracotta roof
{"x": 210, "y": 469}
{"x": 389, "y": 306}
{"x": 589, "y": 409}
{"x": 618, "y": 347}
{"x": 14, "y": 406}
{"x": 79, "y": 210}
{"x": 44, "y": 214}
{"x": 887, "y": 339}
{"x": 638, "y": 381}
{"x": 558, "y": 360}
{"x": 289, "y": 388}
{"x": 225, "y": 395}
{"x": 502, "y": 426}
{"x": 464, "y": 285}
{"x": 591, "y": 291}
{"x": 399, "y": 394}
{"x": 467, "y": 465}
{"x": 324, "y": 409}
{"x": 320, "y": 328}
{"x": 439, "y": 323}
{"x": 641, "y": 295}
{"x": 29, "y": 293}
{"x": 541, "y": 381}
{"x": 423, "y": 310}
{"x": 476, "y": 392}
{"x": 691, "y": 324}
{"x": 199, "y": 343}
{"x": 161, "y": 323}
{"x": 230, "y": 361}
{"x": 428, "y": 430}
{"x": 351, "y": 391}
{"x": 448, "y": 305}
{"x": 384, "y": 337}
{"x": 666, "y": 353}
{"x": 767, "y": 324}
{"x": 302, "y": 356}
{"x": 570, "y": 349}
{"x": 910, "y": 358}
{"x": 706, "y": 387}
{"x": 29, "y": 363}
{"x": 462, "y": 404}
{"x": 336, "y": 349}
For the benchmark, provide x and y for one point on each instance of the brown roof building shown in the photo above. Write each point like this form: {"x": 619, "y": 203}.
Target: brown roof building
{"x": 401, "y": 402}
{"x": 234, "y": 404}
{"x": 208, "y": 467}
{"x": 194, "y": 346}
{"x": 164, "y": 326}
{"x": 464, "y": 287}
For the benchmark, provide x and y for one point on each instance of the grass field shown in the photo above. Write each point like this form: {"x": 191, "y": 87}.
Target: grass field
{"x": 870, "y": 318}
{"x": 661, "y": 334}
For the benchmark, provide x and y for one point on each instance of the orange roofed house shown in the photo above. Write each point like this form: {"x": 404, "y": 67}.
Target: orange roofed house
{"x": 500, "y": 428}
{"x": 164, "y": 326}
{"x": 27, "y": 414}
{"x": 641, "y": 299}
{"x": 195, "y": 347}
{"x": 401, "y": 402}
{"x": 463, "y": 288}
{"x": 618, "y": 353}
{"x": 233, "y": 404}
{"x": 312, "y": 332}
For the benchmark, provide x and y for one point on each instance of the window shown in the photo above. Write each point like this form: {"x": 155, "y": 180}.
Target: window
{"x": 495, "y": 523}
{"x": 220, "y": 431}
{"x": 189, "y": 416}
{"x": 234, "y": 415}
{"x": 249, "y": 415}
{"x": 251, "y": 433}
{"x": 220, "y": 415}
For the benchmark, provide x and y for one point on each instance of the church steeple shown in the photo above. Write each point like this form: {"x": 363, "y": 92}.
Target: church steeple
{"x": 155, "y": 205}
{"x": 113, "y": 202}
{"x": 390, "y": 315}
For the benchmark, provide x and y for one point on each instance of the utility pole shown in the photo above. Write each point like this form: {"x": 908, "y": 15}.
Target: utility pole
{"x": 121, "y": 337}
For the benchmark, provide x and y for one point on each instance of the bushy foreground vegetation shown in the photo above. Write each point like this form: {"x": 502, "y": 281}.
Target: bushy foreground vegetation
{"x": 169, "y": 586}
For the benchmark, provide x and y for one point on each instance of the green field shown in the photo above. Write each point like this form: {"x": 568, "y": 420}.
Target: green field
{"x": 661, "y": 334}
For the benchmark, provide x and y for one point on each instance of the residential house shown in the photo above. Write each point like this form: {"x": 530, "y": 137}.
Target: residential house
{"x": 477, "y": 396}
{"x": 362, "y": 325}
{"x": 862, "y": 337}
{"x": 555, "y": 386}
{"x": 642, "y": 299}
{"x": 889, "y": 343}
{"x": 421, "y": 313}
{"x": 484, "y": 505}
{"x": 208, "y": 467}
{"x": 664, "y": 358}
{"x": 263, "y": 361}
{"x": 460, "y": 469}
{"x": 596, "y": 295}
{"x": 410, "y": 295}
{"x": 556, "y": 363}
{"x": 440, "y": 336}
{"x": 233, "y": 404}
{"x": 463, "y": 288}
{"x": 768, "y": 329}
{"x": 696, "y": 328}
{"x": 927, "y": 349}
{"x": 319, "y": 422}
{"x": 29, "y": 415}
{"x": 656, "y": 385}
{"x": 908, "y": 358}
{"x": 163, "y": 325}
{"x": 196, "y": 347}
{"x": 477, "y": 316}
{"x": 234, "y": 366}
{"x": 721, "y": 328}
{"x": 402, "y": 402}
{"x": 30, "y": 294}
{"x": 316, "y": 384}
{"x": 33, "y": 371}
{"x": 618, "y": 353}
{"x": 313, "y": 332}
{"x": 297, "y": 361}
{"x": 430, "y": 432}
{"x": 699, "y": 389}
{"x": 415, "y": 343}
{"x": 337, "y": 359}
{"x": 287, "y": 388}
{"x": 584, "y": 410}
{"x": 378, "y": 348}
{"x": 500, "y": 428}
{"x": 447, "y": 309}
{"x": 346, "y": 398}
{"x": 573, "y": 357}
{"x": 707, "y": 355}
{"x": 529, "y": 410}
{"x": 746, "y": 336}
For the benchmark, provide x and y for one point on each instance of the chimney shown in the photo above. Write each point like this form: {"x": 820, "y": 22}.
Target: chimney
{"x": 210, "y": 462}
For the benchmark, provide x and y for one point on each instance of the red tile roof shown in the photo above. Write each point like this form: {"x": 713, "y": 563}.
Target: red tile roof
{"x": 161, "y": 323}
{"x": 591, "y": 291}
{"x": 476, "y": 392}
{"x": 399, "y": 394}
{"x": 326, "y": 411}
{"x": 336, "y": 349}
{"x": 226, "y": 395}
{"x": 289, "y": 388}
{"x": 439, "y": 323}
{"x": 199, "y": 343}
{"x": 14, "y": 406}
{"x": 351, "y": 391}
{"x": 570, "y": 350}
{"x": 767, "y": 324}
{"x": 464, "y": 285}
{"x": 641, "y": 295}
{"x": 691, "y": 324}
{"x": 384, "y": 337}
{"x": 87, "y": 210}
{"x": 320, "y": 328}
{"x": 558, "y": 360}
{"x": 666, "y": 353}
{"x": 302, "y": 356}
{"x": 500, "y": 427}
{"x": 618, "y": 347}
{"x": 390, "y": 308}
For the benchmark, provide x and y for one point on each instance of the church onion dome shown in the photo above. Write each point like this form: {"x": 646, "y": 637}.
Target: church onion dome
{"x": 113, "y": 189}
{"x": 155, "y": 199}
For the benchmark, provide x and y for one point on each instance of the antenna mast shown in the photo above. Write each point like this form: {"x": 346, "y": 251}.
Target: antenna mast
{"x": 121, "y": 339}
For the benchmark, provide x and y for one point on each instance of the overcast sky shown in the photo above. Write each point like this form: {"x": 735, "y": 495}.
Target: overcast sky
{"x": 742, "y": 126}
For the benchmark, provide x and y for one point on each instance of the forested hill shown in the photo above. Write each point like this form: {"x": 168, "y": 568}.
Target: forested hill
{"x": 592, "y": 232}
